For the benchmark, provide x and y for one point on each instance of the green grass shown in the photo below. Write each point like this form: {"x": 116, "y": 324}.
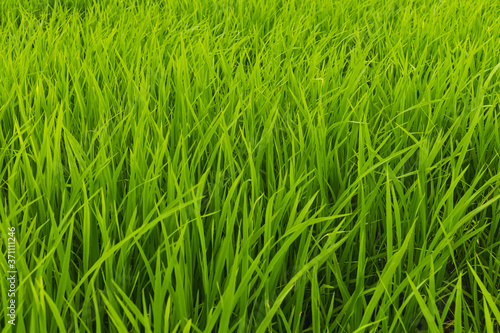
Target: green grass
{"x": 251, "y": 166}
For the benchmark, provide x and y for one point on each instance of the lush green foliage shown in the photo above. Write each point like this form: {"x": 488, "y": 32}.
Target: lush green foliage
{"x": 252, "y": 166}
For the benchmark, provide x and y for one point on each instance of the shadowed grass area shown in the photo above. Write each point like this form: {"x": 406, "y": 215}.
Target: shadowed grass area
{"x": 251, "y": 166}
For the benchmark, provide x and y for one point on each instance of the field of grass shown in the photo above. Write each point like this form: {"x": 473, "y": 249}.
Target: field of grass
{"x": 250, "y": 166}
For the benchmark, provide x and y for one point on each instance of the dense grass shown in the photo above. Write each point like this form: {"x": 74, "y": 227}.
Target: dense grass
{"x": 251, "y": 166}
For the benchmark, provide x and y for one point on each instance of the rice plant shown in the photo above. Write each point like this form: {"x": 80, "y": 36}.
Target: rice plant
{"x": 250, "y": 166}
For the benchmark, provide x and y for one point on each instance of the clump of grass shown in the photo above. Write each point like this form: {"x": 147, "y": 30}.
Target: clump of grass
{"x": 261, "y": 166}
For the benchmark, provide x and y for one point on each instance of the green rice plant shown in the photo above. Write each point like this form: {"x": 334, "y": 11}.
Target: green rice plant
{"x": 250, "y": 166}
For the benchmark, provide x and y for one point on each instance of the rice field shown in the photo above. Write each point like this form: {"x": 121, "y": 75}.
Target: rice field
{"x": 250, "y": 166}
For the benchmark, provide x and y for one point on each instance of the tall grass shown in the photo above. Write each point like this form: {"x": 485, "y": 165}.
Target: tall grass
{"x": 251, "y": 166}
